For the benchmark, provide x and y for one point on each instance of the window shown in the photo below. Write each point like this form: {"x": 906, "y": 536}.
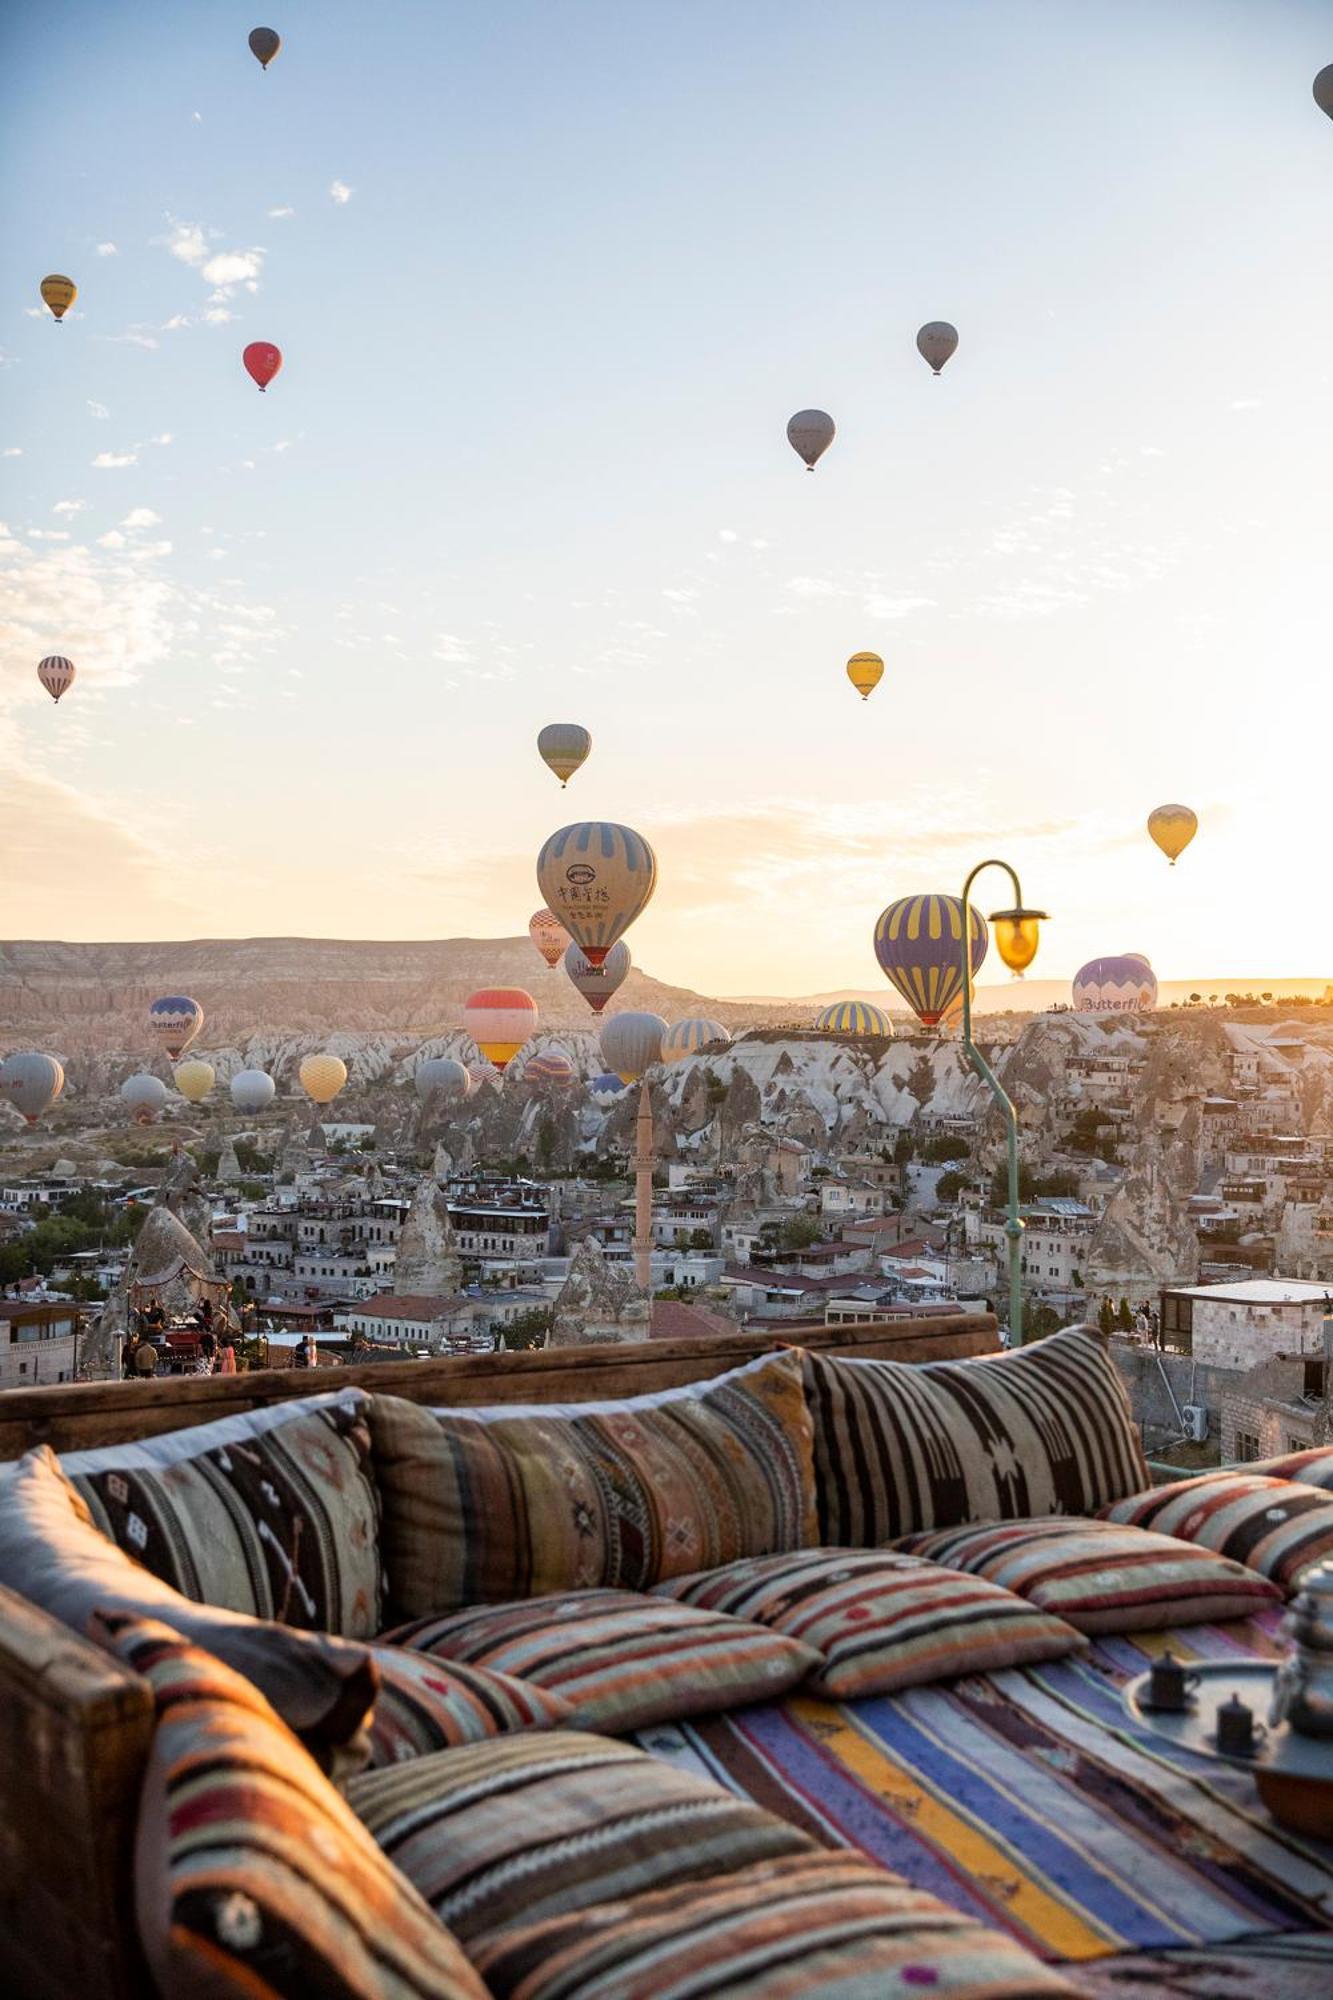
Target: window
{"x": 1295, "y": 1443}
{"x": 1247, "y": 1446}
{"x": 1314, "y": 1382}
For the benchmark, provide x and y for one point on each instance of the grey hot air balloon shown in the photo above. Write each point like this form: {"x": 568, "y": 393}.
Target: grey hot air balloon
{"x": 632, "y": 1043}
{"x": 936, "y": 342}
{"x": 31, "y": 1083}
{"x": 252, "y": 1089}
{"x": 442, "y": 1078}
{"x": 146, "y": 1095}
{"x": 810, "y": 433}
{"x": 264, "y": 45}
{"x": 597, "y": 983}
{"x": 1323, "y": 90}
{"x": 563, "y": 747}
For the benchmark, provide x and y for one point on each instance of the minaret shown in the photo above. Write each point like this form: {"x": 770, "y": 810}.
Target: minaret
{"x": 643, "y": 1191}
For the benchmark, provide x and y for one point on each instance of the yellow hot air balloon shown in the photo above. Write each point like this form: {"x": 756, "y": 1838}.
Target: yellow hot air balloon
{"x": 194, "y": 1080}
{"x": 563, "y": 747}
{"x": 322, "y": 1077}
{"x": 1173, "y": 828}
{"x": 865, "y": 671}
{"x": 58, "y": 294}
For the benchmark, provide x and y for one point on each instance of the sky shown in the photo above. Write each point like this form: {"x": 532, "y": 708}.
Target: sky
{"x": 549, "y": 279}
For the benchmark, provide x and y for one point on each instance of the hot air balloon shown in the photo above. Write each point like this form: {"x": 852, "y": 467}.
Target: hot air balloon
{"x": 549, "y": 935}
{"x": 262, "y": 361}
{"x": 686, "y": 1038}
{"x": 56, "y": 674}
{"x": 563, "y": 747}
{"x": 549, "y": 1066}
{"x": 174, "y": 1021}
{"x": 479, "y": 1073}
{"x": 632, "y": 1043}
{"x": 146, "y": 1095}
{"x": 606, "y": 1088}
{"x": 264, "y": 45}
{"x": 31, "y": 1083}
{"x": 252, "y": 1090}
{"x": 1173, "y": 828}
{"x": 442, "y": 1076}
{"x": 322, "y": 1077}
{"x": 58, "y": 294}
{"x": 596, "y": 877}
{"x": 597, "y": 983}
{"x": 936, "y": 342}
{"x": 499, "y": 1020}
{"x": 853, "y": 1017}
{"x": 810, "y": 433}
{"x": 1323, "y": 90}
{"x": 1123, "y": 985}
{"x": 918, "y": 942}
{"x": 865, "y": 671}
{"x": 194, "y": 1080}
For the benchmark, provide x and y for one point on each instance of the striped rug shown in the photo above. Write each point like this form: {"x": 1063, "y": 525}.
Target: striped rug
{"x": 1027, "y": 1799}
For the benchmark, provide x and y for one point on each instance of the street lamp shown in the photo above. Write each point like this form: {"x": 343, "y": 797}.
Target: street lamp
{"x": 1017, "y": 935}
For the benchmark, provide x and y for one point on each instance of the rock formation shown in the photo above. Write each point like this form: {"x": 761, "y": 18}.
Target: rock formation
{"x": 167, "y": 1258}
{"x": 427, "y": 1259}
{"x": 598, "y": 1302}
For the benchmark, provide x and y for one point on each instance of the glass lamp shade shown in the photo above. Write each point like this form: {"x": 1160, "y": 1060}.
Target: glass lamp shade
{"x": 1017, "y": 933}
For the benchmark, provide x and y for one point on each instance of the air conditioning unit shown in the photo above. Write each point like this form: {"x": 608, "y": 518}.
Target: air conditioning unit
{"x": 1196, "y": 1422}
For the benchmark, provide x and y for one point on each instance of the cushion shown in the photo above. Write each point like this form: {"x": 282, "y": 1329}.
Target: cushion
{"x": 271, "y": 1512}
{"x": 252, "y": 1877}
{"x": 880, "y": 1621}
{"x": 51, "y": 1552}
{"x": 425, "y": 1705}
{"x": 1312, "y": 1467}
{"x": 621, "y": 1661}
{"x": 904, "y": 1446}
{"x": 1274, "y": 1526}
{"x": 483, "y": 1506}
{"x": 550, "y": 1824}
{"x": 804, "y": 1927}
{"x": 1100, "y": 1577}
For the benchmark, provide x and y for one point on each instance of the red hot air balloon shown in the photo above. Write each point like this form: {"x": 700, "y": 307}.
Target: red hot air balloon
{"x": 262, "y": 362}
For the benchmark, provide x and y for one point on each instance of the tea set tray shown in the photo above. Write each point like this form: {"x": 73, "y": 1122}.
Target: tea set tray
{"x": 1282, "y": 1751}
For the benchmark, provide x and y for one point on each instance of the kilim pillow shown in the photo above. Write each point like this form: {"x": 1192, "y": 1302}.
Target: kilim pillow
{"x": 272, "y": 1512}
{"x": 51, "y": 1552}
{"x": 425, "y": 1705}
{"x": 1274, "y": 1526}
{"x": 805, "y": 1927}
{"x": 1313, "y": 1467}
{"x": 1100, "y": 1577}
{"x": 544, "y": 1825}
{"x": 252, "y": 1877}
{"x": 482, "y": 1506}
{"x": 621, "y": 1660}
{"x": 880, "y": 1621}
{"x": 903, "y": 1446}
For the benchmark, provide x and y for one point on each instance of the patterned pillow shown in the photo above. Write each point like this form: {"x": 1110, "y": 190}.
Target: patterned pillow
{"x": 904, "y": 1446}
{"x": 251, "y": 1874}
{"x": 271, "y": 1512}
{"x": 50, "y": 1552}
{"x": 1313, "y": 1467}
{"x": 1273, "y": 1526}
{"x": 805, "y": 1927}
{"x": 620, "y": 1660}
{"x": 881, "y": 1621}
{"x": 425, "y": 1705}
{"x": 481, "y": 1506}
{"x": 552, "y": 1824}
{"x": 1101, "y": 1577}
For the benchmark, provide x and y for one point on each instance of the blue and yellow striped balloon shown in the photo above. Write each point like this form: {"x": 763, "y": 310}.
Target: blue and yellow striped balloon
{"x": 596, "y": 877}
{"x": 688, "y": 1037}
{"x": 853, "y": 1017}
{"x": 919, "y": 945}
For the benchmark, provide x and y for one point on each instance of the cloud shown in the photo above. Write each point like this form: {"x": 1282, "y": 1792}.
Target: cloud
{"x": 12, "y": 451}
{"x": 111, "y": 461}
{"x": 63, "y": 852}
{"x": 1246, "y": 403}
{"x": 280, "y": 214}
{"x": 106, "y": 250}
{"x": 141, "y": 517}
{"x": 812, "y": 586}
{"x": 340, "y": 192}
{"x": 112, "y": 539}
{"x": 880, "y": 605}
{"x": 69, "y": 507}
{"x": 218, "y": 315}
{"x": 222, "y": 269}
{"x": 727, "y": 535}
{"x": 133, "y": 336}
{"x": 48, "y": 534}
{"x": 98, "y": 410}
{"x": 186, "y": 241}
{"x": 233, "y": 267}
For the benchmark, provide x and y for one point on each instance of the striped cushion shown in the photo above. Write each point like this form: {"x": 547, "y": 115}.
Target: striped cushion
{"x": 425, "y": 1705}
{"x": 1274, "y": 1526}
{"x": 1101, "y": 1577}
{"x": 1313, "y": 1467}
{"x": 482, "y": 1506}
{"x": 620, "y": 1660}
{"x": 880, "y": 1621}
{"x": 902, "y": 1446}
{"x": 549, "y": 1824}
{"x": 271, "y": 1512}
{"x": 252, "y": 1876}
{"x": 807, "y": 1927}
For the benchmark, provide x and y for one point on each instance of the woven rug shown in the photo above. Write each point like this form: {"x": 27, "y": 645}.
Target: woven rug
{"x": 1028, "y": 1799}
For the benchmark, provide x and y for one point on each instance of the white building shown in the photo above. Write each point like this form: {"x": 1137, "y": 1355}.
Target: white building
{"x": 1242, "y": 1324}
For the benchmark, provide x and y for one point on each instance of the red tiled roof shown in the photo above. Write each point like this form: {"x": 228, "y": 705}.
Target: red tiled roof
{"x": 673, "y": 1319}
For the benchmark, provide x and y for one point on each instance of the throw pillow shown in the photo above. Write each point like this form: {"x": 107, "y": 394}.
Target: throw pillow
{"x": 425, "y": 1705}
{"x": 1312, "y": 1467}
{"x": 1273, "y": 1526}
{"x": 880, "y": 1621}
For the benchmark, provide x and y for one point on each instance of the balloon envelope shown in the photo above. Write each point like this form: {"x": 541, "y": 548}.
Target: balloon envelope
{"x": 252, "y": 1089}
{"x": 1116, "y": 985}
{"x": 1173, "y": 828}
{"x": 58, "y": 294}
{"x": 606, "y": 1088}
{"x": 632, "y": 1043}
{"x": 865, "y": 671}
{"x": 174, "y": 1021}
{"x": 596, "y": 877}
{"x": 563, "y": 747}
{"x": 853, "y": 1017}
{"x": 443, "y": 1075}
{"x": 31, "y": 1083}
{"x": 499, "y": 1020}
{"x": 479, "y": 1073}
{"x": 686, "y": 1038}
{"x": 549, "y": 935}
{"x": 146, "y": 1095}
{"x": 322, "y": 1077}
{"x": 56, "y": 674}
{"x": 597, "y": 983}
{"x": 549, "y": 1066}
{"x": 919, "y": 945}
{"x": 936, "y": 342}
{"x": 1323, "y": 90}
{"x": 262, "y": 361}
{"x": 194, "y": 1080}
{"x": 810, "y": 433}
{"x": 264, "y": 45}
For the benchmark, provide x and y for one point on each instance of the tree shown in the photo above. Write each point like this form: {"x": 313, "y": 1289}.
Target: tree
{"x": 1106, "y": 1316}
{"x": 946, "y": 1147}
{"x": 528, "y": 1329}
{"x": 1124, "y": 1318}
{"x": 1039, "y": 1320}
{"x": 798, "y": 1232}
{"x": 949, "y": 1186}
{"x": 903, "y": 1147}
{"x": 701, "y": 1239}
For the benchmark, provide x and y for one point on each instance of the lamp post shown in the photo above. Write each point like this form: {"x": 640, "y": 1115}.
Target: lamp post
{"x": 1017, "y": 936}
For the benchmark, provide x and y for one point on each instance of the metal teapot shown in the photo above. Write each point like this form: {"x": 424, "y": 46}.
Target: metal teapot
{"x": 1303, "y": 1686}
